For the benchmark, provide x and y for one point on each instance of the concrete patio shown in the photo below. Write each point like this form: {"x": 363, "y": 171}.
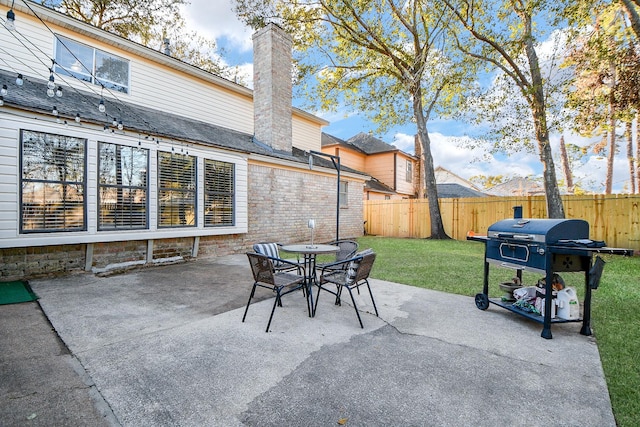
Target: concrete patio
{"x": 166, "y": 346}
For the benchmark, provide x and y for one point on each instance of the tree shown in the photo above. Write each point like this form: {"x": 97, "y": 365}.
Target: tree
{"x": 388, "y": 58}
{"x": 504, "y": 36}
{"x": 149, "y": 22}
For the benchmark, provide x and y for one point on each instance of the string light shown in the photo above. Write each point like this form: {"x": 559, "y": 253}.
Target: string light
{"x": 1, "y": 100}
{"x": 10, "y": 23}
{"x": 101, "y": 106}
{"x": 51, "y": 84}
{"x": 55, "y": 111}
{"x": 4, "y": 90}
{"x": 114, "y": 122}
{"x": 19, "y": 80}
{"x": 59, "y": 92}
{"x": 106, "y": 128}
{"x": 77, "y": 118}
{"x": 120, "y": 125}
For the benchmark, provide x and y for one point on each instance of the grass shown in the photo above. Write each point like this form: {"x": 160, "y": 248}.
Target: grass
{"x": 457, "y": 267}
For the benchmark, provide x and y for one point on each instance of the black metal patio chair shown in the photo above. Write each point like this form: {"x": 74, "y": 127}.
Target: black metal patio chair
{"x": 282, "y": 283}
{"x": 348, "y": 249}
{"x": 273, "y": 250}
{"x": 350, "y": 274}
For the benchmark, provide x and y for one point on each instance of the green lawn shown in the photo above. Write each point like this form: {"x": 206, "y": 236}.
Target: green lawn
{"x": 457, "y": 267}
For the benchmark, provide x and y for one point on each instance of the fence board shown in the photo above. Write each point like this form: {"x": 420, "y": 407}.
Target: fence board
{"x": 612, "y": 218}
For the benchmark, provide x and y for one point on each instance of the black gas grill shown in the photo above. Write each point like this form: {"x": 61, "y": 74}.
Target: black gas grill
{"x": 544, "y": 246}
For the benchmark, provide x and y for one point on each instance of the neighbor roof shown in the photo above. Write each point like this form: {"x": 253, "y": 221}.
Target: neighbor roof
{"x": 369, "y": 144}
{"x": 456, "y": 191}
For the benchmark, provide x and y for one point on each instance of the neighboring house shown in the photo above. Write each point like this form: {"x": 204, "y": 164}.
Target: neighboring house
{"x": 517, "y": 187}
{"x": 396, "y": 173}
{"x": 180, "y": 162}
{"x": 452, "y": 186}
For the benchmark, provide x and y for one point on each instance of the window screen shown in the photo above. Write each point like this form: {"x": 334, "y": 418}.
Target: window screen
{"x": 343, "y": 194}
{"x": 409, "y": 176}
{"x": 218, "y": 193}
{"x": 53, "y": 184}
{"x": 176, "y": 190}
{"x": 122, "y": 184}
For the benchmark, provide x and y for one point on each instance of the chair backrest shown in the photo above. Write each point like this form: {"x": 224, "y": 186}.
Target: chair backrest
{"x": 348, "y": 249}
{"x": 268, "y": 249}
{"x": 360, "y": 267}
{"x": 261, "y": 267}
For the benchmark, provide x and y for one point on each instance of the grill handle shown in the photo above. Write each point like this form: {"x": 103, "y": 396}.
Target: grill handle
{"x": 515, "y": 236}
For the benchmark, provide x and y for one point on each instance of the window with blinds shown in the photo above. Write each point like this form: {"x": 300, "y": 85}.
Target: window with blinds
{"x": 176, "y": 190}
{"x": 409, "y": 175}
{"x": 53, "y": 182}
{"x": 219, "y": 195}
{"x": 122, "y": 187}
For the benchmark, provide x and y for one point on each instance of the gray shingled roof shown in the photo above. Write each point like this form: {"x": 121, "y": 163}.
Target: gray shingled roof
{"x": 32, "y": 96}
{"x": 456, "y": 191}
{"x": 370, "y": 144}
{"x": 374, "y": 185}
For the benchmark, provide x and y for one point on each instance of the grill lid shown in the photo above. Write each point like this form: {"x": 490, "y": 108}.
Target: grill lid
{"x": 548, "y": 231}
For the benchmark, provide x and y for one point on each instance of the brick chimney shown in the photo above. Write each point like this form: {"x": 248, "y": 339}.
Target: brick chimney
{"x": 272, "y": 87}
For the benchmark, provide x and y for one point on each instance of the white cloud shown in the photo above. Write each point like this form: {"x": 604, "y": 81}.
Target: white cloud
{"x": 215, "y": 19}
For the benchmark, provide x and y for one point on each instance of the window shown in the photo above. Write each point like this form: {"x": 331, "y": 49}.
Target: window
{"x": 409, "y": 177}
{"x": 53, "y": 182}
{"x": 176, "y": 190}
{"x": 218, "y": 193}
{"x": 122, "y": 187}
{"x": 91, "y": 65}
{"x": 343, "y": 194}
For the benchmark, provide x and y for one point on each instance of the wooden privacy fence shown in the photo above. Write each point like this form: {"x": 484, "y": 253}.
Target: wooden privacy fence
{"x": 612, "y": 218}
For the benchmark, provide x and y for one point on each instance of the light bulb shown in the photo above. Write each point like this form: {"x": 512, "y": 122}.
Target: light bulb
{"x": 1, "y": 100}
{"x": 4, "y": 90}
{"x": 120, "y": 125}
{"x": 51, "y": 93}
{"x": 10, "y": 23}
{"x": 55, "y": 110}
{"x": 101, "y": 106}
{"x": 77, "y": 117}
{"x": 114, "y": 122}
{"x": 51, "y": 84}
{"x": 106, "y": 128}
{"x": 59, "y": 91}
{"x": 19, "y": 80}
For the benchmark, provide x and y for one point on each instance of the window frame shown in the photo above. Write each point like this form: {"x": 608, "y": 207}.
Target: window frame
{"x": 64, "y": 43}
{"x": 207, "y": 192}
{"x": 409, "y": 171}
{"x": 130, "y": 188}
{"x": 343, "y": 195}
{"x": 81, "y": 184}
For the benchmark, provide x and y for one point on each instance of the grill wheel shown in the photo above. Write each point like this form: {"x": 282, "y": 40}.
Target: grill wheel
{"x": 482, "y": 301}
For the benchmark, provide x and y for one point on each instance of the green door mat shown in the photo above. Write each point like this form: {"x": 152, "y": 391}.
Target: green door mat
{"x": 15, "y": 292}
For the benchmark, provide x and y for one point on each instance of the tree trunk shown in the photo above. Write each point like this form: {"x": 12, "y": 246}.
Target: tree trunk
{"x": 632, "y": 166}
{"x": 437, "y": 226}
{"x": 537, "y": 103}
{"x": 565, "y": 165}
{"x": 630, "y": 9}
{"x": 608, "y": 187}
{"x": 638, "y": 150}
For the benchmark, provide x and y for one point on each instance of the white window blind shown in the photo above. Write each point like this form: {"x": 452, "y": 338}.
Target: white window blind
{"x": 53, "y": 182}
{"x": 218, "y": 193}
{"x": 176, "y": 190}
{"x": 122, "y": 184}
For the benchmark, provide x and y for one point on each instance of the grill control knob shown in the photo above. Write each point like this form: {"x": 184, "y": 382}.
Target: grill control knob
{"x": 541, "y": 251}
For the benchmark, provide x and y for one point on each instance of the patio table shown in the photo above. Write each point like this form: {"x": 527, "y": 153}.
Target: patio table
{"x": 310, "y": 253}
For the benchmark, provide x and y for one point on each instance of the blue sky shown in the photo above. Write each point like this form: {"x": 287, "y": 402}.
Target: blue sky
{"x": 215, "y": 19}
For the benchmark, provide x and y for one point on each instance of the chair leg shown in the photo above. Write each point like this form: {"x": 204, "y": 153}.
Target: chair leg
{"x": 253, "y": 291}
{"x": 275, "y": 303}
{"x": 355, "y": 306}
{"x": 372, "y": 300}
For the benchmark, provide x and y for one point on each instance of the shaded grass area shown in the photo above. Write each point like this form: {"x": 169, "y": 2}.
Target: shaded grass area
{"x": 457, "y": 267}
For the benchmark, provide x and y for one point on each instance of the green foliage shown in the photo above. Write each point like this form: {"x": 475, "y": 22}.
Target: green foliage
{"x": 457, "y": 267}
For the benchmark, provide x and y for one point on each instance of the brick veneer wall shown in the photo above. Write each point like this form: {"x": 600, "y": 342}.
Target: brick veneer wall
{"x": 281, "y": 201}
